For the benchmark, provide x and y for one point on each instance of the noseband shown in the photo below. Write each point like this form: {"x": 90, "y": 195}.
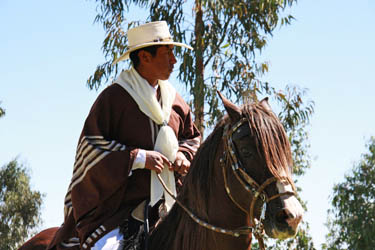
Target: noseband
{"x": 249, "y": 184}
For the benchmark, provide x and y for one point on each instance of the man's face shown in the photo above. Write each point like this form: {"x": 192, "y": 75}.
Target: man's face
{"x": 161, "y": 64}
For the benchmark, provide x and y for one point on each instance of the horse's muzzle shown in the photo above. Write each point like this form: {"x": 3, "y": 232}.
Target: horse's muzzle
{"x": 283, "y": 223}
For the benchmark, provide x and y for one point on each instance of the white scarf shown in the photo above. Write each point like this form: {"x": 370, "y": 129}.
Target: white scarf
{"x": 166, "y": 141}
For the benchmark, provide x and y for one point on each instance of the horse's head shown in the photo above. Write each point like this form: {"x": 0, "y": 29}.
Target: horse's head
{"x": 259, "y": 153}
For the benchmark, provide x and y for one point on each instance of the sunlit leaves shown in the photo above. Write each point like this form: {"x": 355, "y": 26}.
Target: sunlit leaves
{"x": 302, "y": 241}
{"x": 19, "y": 205}
{"x": 295, "y": 114}
{"x": 351, "y": 221}
{"x": 2, "y": 112}
{"x": 233, "y": 31}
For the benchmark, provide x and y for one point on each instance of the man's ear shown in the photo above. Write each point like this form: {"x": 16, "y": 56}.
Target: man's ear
{"x": 144, "y": 56}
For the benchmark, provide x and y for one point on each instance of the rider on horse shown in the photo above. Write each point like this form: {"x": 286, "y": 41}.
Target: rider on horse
{"x": 138, "y": 127}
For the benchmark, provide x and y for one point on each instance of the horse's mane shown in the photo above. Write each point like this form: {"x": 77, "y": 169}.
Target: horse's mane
{"x": 178, "y": 229}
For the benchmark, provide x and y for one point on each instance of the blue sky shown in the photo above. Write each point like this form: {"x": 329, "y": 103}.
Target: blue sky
{"x": 49, "y": 48}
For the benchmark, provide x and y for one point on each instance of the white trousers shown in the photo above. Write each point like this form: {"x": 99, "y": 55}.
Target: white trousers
{"x": 110, "y": 241}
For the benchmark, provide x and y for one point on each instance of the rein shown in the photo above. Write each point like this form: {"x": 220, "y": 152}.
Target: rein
{"x": 250, "y": 185}
{"x": 235, "y": 233}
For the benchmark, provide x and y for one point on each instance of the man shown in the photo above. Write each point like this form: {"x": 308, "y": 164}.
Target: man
{"x": 137, "y": 128}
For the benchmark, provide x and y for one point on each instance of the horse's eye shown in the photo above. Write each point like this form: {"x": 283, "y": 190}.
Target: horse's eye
{"x": 246, "y": 152}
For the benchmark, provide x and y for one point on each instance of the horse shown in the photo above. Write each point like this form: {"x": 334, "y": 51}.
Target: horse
{"x": 239, "y": 185}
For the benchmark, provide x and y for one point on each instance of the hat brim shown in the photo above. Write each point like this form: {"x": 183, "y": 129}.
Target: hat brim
{"x": 125, "y": 56}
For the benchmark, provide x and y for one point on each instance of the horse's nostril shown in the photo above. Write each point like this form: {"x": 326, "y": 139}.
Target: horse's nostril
{"x": 283, "y": 215}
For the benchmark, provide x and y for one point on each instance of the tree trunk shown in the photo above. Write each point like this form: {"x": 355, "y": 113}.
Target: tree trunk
{"x": 198, "y": 89}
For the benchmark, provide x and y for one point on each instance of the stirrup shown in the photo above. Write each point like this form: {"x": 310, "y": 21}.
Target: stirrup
{"x": 139, "y": 212}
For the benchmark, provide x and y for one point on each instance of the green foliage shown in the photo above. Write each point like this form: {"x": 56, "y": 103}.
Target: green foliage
{"x": 295, "y": 115}
{"x": 225, "y": 35}
{"x": 302, "y": 241}
{"x": 19, "y": 206}
{"x": 351, "y": 221}
{"x": 2, "y": 111}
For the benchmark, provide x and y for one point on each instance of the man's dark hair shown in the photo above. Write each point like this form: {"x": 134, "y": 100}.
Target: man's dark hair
{"x": 134, "y": 54}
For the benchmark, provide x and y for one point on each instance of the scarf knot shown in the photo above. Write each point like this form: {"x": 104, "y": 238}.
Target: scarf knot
{"x": 166, "y": 142}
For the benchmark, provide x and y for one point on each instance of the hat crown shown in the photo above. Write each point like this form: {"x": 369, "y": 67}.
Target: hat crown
{"x": 148, "y": 33}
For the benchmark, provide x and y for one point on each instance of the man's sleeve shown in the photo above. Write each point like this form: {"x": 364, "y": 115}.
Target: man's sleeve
{"x": 190, "y": 138}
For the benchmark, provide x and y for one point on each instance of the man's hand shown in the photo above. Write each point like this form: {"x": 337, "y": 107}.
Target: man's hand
{"x": 155, "y": 161}
{"x": 181, "y": 164}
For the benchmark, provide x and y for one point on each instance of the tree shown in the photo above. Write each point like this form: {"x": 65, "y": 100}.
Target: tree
{"x": 226, "y": 35}
{"x": 19, "y": 206}
{"x": 351, "y": 221}
{"x": 2, "y": 111}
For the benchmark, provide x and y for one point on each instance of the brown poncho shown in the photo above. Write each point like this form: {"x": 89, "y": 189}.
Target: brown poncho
{"x": 104, "y": 189}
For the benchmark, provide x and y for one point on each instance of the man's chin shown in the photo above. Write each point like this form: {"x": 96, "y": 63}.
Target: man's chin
{"x": 165, "y": 77}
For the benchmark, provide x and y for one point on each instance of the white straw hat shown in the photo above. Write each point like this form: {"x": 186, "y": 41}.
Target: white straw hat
{"x": 149, "y": 34}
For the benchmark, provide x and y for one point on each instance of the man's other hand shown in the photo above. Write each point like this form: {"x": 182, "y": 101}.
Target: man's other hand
{"x": 155, "y": 161}
{"x": 181, "y": 164}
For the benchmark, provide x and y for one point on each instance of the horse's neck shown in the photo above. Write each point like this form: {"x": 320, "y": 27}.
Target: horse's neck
{"x": 224, "y": 213}
{"x": 211, "y": 205}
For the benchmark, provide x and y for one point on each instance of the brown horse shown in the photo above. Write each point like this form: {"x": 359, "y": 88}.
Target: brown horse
{"x": 239, "y": 185}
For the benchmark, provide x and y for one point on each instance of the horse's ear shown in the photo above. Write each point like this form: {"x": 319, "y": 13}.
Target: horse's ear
{"x": 264, "y": 103}
{"x": 234, "y": 112}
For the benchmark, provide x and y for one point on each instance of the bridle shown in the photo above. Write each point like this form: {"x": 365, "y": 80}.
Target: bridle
{"x": 249, "y": 184}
